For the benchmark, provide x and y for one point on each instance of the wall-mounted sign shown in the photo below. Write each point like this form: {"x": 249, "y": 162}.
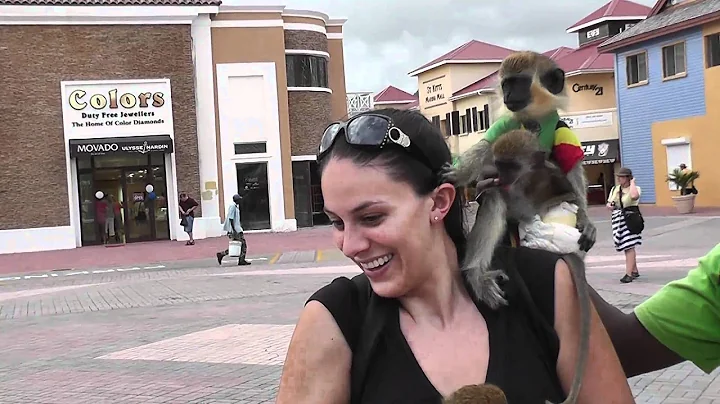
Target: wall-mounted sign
{"x": 597, "y": 89}
{"x": 120, "y": 145}
{"x": 116, "y": 108}
{"x": 589, "y": 120}
{"x": 593, "y": 33}
{"x": 434, "y": 92}
{"x": 601, "y": 152}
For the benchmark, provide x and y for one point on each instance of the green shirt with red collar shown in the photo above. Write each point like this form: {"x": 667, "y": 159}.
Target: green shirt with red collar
{"x": 685, "y": 314}
{"x": 554, "y": 137}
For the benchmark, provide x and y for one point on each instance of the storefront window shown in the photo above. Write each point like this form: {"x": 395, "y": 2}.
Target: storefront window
{"x": 124, "y": 160}
{"x": 84, "y": 162}
{"x": 306, "y": 71}
{"x": 140, "y": 212}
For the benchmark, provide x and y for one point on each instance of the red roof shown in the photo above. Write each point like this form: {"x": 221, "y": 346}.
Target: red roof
{"x": 110, "y": 2}
{"x": 485, "y": 83}
{"x": 471, "y": 51}
{"x": 394, "y": 95}
{"x": 558, "y": 52}
{"x": 616, "y": 9}
{"x": 586, "y": 59}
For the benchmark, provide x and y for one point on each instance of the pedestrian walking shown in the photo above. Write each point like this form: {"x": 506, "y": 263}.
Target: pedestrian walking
{"x": 187, "y": 215}
{"x": 233, "y": 227}
{"x": 626, "y": 220}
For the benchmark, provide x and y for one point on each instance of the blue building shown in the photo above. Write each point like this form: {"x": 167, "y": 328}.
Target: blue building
{"x": 666, "y": 67}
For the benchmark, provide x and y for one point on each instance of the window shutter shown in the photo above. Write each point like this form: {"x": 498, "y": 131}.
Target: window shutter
{"x": 486, "y": 109}
{"x": 474, "y": 115}
{"x": 455, "y": 123}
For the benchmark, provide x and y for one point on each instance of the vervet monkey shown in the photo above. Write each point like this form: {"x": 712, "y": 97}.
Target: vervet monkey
{"x": 533, "y": 89}
{"x": 532, "y": 187}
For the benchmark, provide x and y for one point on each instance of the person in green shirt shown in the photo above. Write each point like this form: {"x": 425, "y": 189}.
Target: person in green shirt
{"x": 679, "y": 322}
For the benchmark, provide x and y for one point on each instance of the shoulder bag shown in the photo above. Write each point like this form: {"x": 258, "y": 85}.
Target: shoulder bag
{"x": 633, "y": 218}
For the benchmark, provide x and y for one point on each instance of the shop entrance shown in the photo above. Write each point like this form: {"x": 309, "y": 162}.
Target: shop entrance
{"x": 308, "y": 196}
{"x": 253, "y": 186}
{"x": 133, "y": 198}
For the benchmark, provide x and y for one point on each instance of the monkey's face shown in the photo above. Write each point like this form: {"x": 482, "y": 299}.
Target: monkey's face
{"x": 384, "y": 226}
{"x": 516, "y": 172}
{"x": 532, "y": 84}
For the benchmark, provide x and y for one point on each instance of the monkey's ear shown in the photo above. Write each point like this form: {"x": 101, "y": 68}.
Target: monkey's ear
{"x": 538, "y": 159}
{"x": 554, "y": 80}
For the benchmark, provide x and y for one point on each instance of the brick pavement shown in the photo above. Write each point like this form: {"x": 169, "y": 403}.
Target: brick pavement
{"x": 204, "y": 335}
{"x": 274, "y": 247}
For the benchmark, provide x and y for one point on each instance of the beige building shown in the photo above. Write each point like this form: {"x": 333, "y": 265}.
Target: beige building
{"x": 440, "y": 78}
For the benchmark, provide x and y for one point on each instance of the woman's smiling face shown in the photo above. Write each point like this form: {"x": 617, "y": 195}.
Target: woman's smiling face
{"x": 382, "y": 224}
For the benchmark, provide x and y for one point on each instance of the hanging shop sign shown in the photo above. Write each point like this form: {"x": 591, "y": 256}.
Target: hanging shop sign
{"x": 116, "y": 108}
{"x": 588, "y": 120}
{"x": 601, "y": 152}
{"x": 120, "y": 145}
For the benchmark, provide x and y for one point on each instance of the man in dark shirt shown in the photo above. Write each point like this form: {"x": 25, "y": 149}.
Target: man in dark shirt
{"x": 187, "y": 215}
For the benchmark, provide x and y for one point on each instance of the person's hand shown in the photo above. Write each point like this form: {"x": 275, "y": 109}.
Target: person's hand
{"x": 609, "y": 206}
{"x": 632, "y": 181}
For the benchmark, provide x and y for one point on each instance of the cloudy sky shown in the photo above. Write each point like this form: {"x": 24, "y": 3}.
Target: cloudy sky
{"x": 386, "y": 39}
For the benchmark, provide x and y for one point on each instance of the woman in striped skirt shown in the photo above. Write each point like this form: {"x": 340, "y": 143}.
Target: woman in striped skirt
{"x": 624, "y": 240}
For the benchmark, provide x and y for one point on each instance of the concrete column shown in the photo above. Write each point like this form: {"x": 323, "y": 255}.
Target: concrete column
{"x": 209, "y": 225}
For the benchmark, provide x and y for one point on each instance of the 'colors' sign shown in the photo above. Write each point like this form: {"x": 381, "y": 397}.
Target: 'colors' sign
{"x": 116, "y": 108}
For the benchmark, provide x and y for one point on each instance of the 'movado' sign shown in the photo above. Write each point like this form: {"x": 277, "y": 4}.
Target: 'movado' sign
{"x": 116, "y": 108}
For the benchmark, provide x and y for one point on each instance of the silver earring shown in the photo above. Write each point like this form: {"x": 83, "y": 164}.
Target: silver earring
{"x": 436, "y": 218}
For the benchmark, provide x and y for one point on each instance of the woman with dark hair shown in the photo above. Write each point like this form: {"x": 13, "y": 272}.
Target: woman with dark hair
{"x": 407, "y": 330}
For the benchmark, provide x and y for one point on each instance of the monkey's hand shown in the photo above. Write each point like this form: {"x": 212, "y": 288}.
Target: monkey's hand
{"x": 588, "y": 232}
{"x": 487, "y": 179}
{"x": 487, "y": 285}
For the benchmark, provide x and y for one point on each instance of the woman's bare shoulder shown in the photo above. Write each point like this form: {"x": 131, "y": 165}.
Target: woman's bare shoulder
{"x": 317, "y": 365}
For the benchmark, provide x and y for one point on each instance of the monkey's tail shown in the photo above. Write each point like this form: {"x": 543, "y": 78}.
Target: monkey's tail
{"x": 486, "y": 233}
{"x": 577, "y": 268}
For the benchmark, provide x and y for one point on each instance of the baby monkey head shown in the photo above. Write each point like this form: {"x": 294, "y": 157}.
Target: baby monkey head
{"x": 516, "y": 154}
{"x": 477, "y": 394}
{"x": 532, "y": 85}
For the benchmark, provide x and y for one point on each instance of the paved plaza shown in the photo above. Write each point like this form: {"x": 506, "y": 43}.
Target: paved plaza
{"x": 195, "y": 332}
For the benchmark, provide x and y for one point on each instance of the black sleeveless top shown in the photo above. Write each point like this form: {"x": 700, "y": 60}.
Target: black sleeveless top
{"x": 523, "y": 357}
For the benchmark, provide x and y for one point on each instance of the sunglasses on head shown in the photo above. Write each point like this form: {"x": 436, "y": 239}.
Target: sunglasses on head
{"x": 369, "y": 130}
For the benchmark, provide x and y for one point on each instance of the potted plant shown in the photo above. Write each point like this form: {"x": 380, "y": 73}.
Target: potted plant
{"x": 681, "y": 179}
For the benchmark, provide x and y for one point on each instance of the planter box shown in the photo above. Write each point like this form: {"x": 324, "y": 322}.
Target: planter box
{"x": 684, "y": 203}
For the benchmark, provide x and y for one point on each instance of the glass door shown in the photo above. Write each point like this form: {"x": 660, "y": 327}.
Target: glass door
{"x": 253, "y": 186}
{"x": 138, "y": 207}
{"x": 90, "y": 228}
{"x": 159, "y": 203}
{"x": 302, "y": 194}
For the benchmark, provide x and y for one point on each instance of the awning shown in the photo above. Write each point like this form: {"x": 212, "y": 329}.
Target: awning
{"x": 601, "y": 151}
{"x": 121, "y": 145}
